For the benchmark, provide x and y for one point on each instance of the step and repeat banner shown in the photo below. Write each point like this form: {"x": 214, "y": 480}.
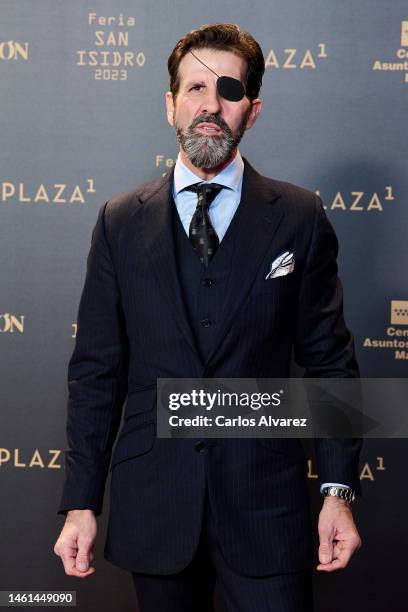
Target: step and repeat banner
{"x": 82, "y": 118}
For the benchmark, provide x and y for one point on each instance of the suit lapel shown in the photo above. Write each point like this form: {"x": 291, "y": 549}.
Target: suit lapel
{"x": 159, "y": 245}
{"x": 259, "y": 215}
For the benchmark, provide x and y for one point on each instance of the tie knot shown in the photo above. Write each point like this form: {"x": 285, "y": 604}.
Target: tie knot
{"x": 206, "y": 192}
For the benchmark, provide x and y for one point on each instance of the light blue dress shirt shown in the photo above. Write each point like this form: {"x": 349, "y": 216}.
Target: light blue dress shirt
{"x": 222, "y": 209}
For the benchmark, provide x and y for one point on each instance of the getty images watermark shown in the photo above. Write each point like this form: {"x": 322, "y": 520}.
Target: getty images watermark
{"x": 282, "y": 408}
{"x": 218, "y": 400}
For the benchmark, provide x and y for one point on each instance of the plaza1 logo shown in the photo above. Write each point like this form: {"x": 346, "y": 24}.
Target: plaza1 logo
{"x": 367, "y": 471}
{"x": 359, "y": 201}
{"x": 396, "y": 332}
{"x": 54, "y": 193}
{"x": 401, "y": 55}
{"x": 290, "y": 59}
{"x": 13, "y": 50}
{"x": 11, "y": 323}
{"x": 111, "y": 58}
{"x": 21, "y": 458}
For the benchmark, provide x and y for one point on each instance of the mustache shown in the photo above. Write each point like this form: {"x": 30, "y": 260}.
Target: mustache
{"x": 216, "y": 119}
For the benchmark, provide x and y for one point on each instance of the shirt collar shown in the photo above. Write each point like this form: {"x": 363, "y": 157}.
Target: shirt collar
{"x": 230, "y": 176}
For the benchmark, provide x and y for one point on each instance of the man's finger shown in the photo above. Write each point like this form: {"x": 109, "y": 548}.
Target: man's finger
{"x": 69, "y": 562}
{"x": 342, "y": 553}
{"x": 325, "y": 549}
{"x": 336, "y": 550}
{"x": 336, "y": 564}
{"x": 83, "y": 554}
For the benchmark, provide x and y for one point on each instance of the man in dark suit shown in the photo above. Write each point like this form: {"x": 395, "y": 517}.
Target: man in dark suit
{"x": 185, "y": 278}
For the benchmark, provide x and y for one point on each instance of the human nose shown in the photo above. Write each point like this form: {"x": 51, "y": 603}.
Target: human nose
{"x": 210, "y": 103}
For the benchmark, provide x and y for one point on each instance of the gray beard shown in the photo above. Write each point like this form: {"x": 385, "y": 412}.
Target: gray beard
{"x": 209, "y": 151}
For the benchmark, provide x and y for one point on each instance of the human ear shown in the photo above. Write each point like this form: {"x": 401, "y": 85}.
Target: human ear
{"x": 256, "y": 107}
{"x": 170, "y": 107}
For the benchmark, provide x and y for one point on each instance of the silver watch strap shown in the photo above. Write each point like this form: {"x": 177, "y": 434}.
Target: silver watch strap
{"x": 343, "y": 492}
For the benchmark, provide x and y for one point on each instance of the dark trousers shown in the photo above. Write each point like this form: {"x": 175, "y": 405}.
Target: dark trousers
{"x": 192, "y": 589}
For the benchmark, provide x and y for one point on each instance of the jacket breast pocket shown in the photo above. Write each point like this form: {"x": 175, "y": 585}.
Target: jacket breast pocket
{"x": 135, "y": 439}
{"x": 274, "y": 286}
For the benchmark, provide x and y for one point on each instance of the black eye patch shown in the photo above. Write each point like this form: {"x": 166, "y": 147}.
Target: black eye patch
{"x": 230, "y": 88}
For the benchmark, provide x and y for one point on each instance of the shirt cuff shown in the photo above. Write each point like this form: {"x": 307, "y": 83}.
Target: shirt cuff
{"x": 333, "y": 484}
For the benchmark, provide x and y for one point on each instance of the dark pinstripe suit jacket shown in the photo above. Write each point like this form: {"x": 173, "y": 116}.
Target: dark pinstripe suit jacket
{"x": 133, "y": 328}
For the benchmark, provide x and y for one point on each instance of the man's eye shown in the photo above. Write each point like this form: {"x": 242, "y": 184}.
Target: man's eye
{"x": 196, "y": 87}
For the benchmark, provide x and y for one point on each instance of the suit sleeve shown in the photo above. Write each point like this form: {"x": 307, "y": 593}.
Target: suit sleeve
{"x": 324, "y": 345}
{"x": 97, "y": 379}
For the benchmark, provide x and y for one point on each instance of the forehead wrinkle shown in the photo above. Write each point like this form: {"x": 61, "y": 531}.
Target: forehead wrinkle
{"x": 198, "y": 77}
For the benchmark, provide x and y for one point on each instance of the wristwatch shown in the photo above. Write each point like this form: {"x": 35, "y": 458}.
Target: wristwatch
{"x": 342, "y": 492}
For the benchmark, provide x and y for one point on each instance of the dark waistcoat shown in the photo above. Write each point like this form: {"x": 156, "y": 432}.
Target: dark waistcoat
{"x": 203, "y": 288}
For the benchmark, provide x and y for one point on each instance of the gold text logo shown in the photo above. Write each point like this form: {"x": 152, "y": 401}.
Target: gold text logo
{"x": 404, "y": 34}
{"x": 399, "y": 312}
{"x": 291, "y": 59}
{"x": 15, "y": 457}
{"x": 359, "y": 201}
{"x": 12, "y": 50}
{"x": 112, "y": 56}
{"x": 397, "y": 338}
{"x": 10, "y": 323}
{"x": 56, "y": 193}
{"x": 165, "y": 163}
{"x": 401, "y": 54}
{"x": 366, "y": 473}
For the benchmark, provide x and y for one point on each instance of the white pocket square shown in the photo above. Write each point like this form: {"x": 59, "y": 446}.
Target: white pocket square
{"x": 282, "y": 265}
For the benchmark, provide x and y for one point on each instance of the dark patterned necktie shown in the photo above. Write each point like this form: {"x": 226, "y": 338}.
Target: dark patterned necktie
{"x": 202, "y": 233}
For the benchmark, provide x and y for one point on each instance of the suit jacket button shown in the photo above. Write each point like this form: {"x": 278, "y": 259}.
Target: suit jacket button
{"x": 207, "y": 282}
{"x": 200, "y": 447}
{"x": 205, "y": 323}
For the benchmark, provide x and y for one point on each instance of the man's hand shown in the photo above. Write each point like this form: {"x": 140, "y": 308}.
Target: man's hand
{"x": 76, "y": 542}
{"x": 338, "y": 535}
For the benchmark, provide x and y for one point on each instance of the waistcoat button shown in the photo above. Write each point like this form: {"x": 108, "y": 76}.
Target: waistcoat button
{"x": 207, "y": 282}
